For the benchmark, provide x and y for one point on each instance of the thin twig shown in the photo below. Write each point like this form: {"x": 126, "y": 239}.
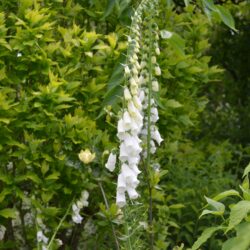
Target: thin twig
{"x": 107, "y": 207}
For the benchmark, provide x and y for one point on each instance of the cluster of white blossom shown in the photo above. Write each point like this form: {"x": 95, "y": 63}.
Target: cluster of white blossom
{"x": 76, "y": 207}
{"x": 40, "y": 235}
{"x": 132, "y": 125}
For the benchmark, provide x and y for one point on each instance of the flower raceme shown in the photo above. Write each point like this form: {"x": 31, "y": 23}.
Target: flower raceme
{"x": 133, "y": 123}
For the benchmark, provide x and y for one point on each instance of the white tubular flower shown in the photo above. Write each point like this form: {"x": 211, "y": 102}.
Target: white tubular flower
{"x": 120, "y": 199}
{"x": 157, "y": 71}
{"x": 155, "y": 86}
{"x": 133, "y": 160}
{"x": 110, "y": 165}
{"x": 156, "y": 136}
{"x": 132, "y": 193}
{"x": 154, "y": 115}
{"x": 121, "y": 183}
{"x": 141, "y": 95}
{"x": 129, "y": 176}
{"x": 124, "y": 156}
{"x": 135, "y": 168}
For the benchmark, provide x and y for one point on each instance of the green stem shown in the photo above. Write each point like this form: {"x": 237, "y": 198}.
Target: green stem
{"x": 128, "y": 241}
{"x": 107, "y": 206}
{"x": 150, "y": 212}
{"x": 59, "y": 226}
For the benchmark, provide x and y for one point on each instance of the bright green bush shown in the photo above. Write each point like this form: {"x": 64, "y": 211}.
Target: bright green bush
{"x": 60, "y": 92}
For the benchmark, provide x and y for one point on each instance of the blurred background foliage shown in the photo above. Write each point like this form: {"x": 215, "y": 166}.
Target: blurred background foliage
{"x": 60, "y": 77}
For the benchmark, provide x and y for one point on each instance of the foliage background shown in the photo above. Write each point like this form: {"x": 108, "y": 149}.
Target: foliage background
{"x": 59, "y": 68}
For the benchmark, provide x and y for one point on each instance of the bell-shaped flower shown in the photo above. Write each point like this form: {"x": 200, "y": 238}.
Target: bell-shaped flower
{"x": 154, "y": 114}
{"x": 156, "y": 136}
{"x": 132, "y": 193}
{"x": 121, "y": 183}
{"x": 120, "y": 199}
{"x": 110, "y": 165}
{"x": 129, "y": 176}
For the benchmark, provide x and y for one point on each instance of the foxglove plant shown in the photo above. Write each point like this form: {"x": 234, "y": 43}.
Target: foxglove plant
{"x": 137, "y": 130}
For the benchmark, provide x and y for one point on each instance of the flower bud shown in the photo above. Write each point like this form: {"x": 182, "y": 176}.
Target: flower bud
{"x": 127, "y": 70}
{"x": 157, "y": 71}
{"x": 155, "y": 86}
{"x": 157, "y": 51}
{"x": 127, "y": 94}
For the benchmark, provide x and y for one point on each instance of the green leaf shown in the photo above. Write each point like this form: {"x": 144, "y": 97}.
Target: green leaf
{"x": 53, "y": 176}
{"x": 217, "y": 208}
{"x": 227, "y": 193}
{"x": 241, "y": 241}
{"x": 178, "y": 43}
{"x": 109, "y": 8}
{"x": 206, "y": 234}
{"x": 226, "y": 17}
{"x": 238, "y": 213}
{"x": 8, "y": 213}
{"x": 173, "y": 104}
{"x": 4, "y": 193}
{"x": 247, "y": 170}
{"x": 209, "y": 4}
{"x": 31, "y": 176}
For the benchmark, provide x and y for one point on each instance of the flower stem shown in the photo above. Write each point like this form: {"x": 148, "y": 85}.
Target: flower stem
{"x": 150, "y": 212}
{"x": 59, "y": 226}
{"x": 107, "y": 207}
